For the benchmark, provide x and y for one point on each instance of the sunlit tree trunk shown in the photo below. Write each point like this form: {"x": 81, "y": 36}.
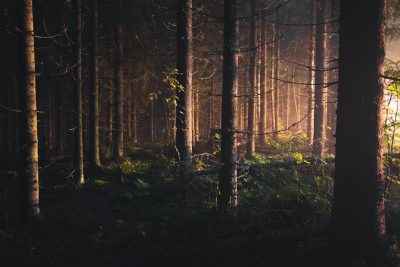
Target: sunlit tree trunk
{"x": 251, "y": 146}
{"x": 118, "y": 134}
{"x": 287, "y": 104}
{"x": 320, "y": 90}
{"x": 270, "y": 63}
{"x": 358, "y": 215}
{"x": 94, "y": 154}
{"x": 276, "y": 75}
{"x": 30, "y": 173}
{"x": 184, "y": 94}
{"x": 263, "y": 83}
{"x": 311, "y": 78}
{"x": 228, "y": 175}
{"x": 78, "y": 151}
{"x": 332, "y": 78}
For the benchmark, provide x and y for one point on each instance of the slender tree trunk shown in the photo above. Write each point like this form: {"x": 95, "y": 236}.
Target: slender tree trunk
{"x": 332, "y": 77}
{"x": 251, "y": 146}
{"x": 263, "y": 83}
{"x": 358, "y": 215}
{"x": 287, "y": 106}
{"x": 184, "y": 95}
{"x": 196, "y": 129}
{"x": 311, "y": 78}
{"x": 270, "y": 63}
{"x": 30, "y": 173}
{"x": 78, "y": 151}
{"x": 320, "y": 90}
{"x": 119, "y": 87}
{"x": 211, "y": 108}
{"x": 228, "y": 175}
{"x": 276, "y": 75}
{"x": 94, "y": 96}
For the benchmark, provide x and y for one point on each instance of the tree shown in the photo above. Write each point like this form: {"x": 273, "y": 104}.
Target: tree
{"x": 311, "y": 78}
{"x": 94, "y": 96}
{"x": 30, "y": 170}
{"x": 270, "y": 69}
{"x": 184, "y": 90}
{"x": 276, "y": 74}
{"x": 263, "y": 82}
{"x": 251, "y": 145}
{"x": 118, "y": 134}
{"x": 358, "y": 220}
{"x": 78, "y": 131}
{"x": 320, "y": 94}
{"x": 228, "y": 174}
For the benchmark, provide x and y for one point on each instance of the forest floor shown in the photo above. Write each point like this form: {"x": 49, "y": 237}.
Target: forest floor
{"x": 137, "y": 214}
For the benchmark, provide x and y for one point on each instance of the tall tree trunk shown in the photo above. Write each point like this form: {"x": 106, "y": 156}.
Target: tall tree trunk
{"x": 184, "y": 94}
{"x": 270, "y": 63}
{"x": 119, "y": 87}
{"x": 30, "y": 173}
{"x": 263, "y": 83}
{"x": 211, "y": 108}
{"x": 320, "y": 90}
{"x": 251, "y": 145}
{"x": 276, "y": 75}
{"x": 228, "y": 175}
{"x": 358, "y": 216}
{"x": 78, "y": 151}
{"x": 196, "y": 129}
{"x": 287, "y": 105}
{"x": 94, "y": 153}
{"x": 311, "y": 78}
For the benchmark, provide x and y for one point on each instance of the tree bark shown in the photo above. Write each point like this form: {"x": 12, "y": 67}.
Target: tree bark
{"x": 211, "y": 109}
{"x": 94, "y": 96}
{"x": 228, "y": 175}
{"x": 118, "y": 134}
{"x": 311, "y": 78}
{"x": 197, "y": 116}
{"x": 320, "y": 90}
{"x": 251, "y": 145}
{"x": 30, "y": 173}
{"x": 270, "y": 63}
{"x": 263, "y": 83}
{"x": 110, "y": 116}
{"x": 184, "y": 93}
{"x": 78, "y": 151}
{"x": 358, "y": 217}
{"x": 276, "y": 75}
